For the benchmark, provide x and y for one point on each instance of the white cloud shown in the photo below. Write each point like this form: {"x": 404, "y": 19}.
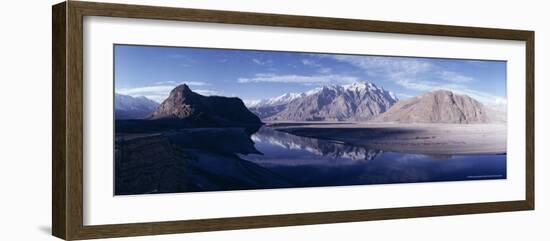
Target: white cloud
{"x": 206, "y": 92}
{"x": 477, "y": 62}
{"x": 184, "y": 60}
{"x": 396, "y": 68}
{"x": 424, "y": 86}
{"x": 377, "y": 65}
{"x": 146, "y": 90}
{"x": 184, "y": 57}
{"x": 314, "y": 64}
{"x": 309, "y": 62}
{"x": 454, "y": 77}
{"x": 325, "y": 70}
{"x": 173, "y": 83}
{"x": 485, "y": 98}
{"x": 194, "y": 83}
{"x": 160, "y": 92}
{"x": 165, "y": 82}
{"x": 300, "y": 79}
{"x": 157, "y": 93}
{"x": 258, "y": 62}
{"x": 404, "y": 96}
{"x": 408, "y": 73}
{"x": 416, "y": 85}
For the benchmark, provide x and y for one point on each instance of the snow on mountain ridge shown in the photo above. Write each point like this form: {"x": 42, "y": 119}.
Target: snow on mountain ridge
{"x": 279, "y": 100}
{"x": 364, "y": 86}
{"x": 283, "y": 99}
{"x": 356, "y": 101}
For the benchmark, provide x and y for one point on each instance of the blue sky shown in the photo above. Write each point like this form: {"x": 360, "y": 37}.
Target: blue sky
{"x": 153, "y": 71}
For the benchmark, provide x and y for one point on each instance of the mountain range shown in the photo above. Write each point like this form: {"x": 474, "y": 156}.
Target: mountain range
{"x": 128, "y": 107}
{"x": 359, "y": 101}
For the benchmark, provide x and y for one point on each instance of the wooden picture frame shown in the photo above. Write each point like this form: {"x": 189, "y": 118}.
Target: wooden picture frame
{"x": 67, "y": 150}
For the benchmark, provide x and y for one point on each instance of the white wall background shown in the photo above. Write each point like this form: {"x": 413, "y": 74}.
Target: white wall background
{"x": 25, "y": 123}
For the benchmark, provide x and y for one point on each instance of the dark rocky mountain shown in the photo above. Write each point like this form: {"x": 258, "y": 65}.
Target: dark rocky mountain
{"x": 128, "y": 107}
{"x": 357, "y": 101}
{"x": 439, "y": 106}
{"x": 185, "y": 105}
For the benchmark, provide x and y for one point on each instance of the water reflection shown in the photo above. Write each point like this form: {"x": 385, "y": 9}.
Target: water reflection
{"x": 219, "y": 159}
{"x": 316, "y": 162}
{"x": 276, "y": 144}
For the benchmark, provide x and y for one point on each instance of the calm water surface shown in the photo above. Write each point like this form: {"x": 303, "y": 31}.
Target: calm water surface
{"x": 218, "y": 159}
{"x": 314, "y": 162}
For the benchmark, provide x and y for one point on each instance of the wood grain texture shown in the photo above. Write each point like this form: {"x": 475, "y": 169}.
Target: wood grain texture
{"x": 75, "y": 125}
{"x": 155, "y": 228}
{"x": 530, "y": 120}
{"x": 59, "y": 191}
{"x": 279, "y": 20}
{"x": 67, "y": 78}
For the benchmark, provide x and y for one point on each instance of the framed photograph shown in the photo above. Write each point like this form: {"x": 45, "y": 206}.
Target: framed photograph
{"x": 171, "y": 120}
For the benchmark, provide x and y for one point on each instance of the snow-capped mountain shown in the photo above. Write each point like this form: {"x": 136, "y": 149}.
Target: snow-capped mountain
{"x": 128, "y": 107}
{"x": 357, "y": 101}
{"x": 279, "y": 100}
{"x": 268, "y": 107}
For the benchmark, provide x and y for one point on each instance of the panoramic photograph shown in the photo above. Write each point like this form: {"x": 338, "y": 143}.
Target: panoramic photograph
{"x": 193, "y": 119}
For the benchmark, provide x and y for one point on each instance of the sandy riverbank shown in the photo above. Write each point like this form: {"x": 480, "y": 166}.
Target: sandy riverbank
{"x": 435, "y": 139}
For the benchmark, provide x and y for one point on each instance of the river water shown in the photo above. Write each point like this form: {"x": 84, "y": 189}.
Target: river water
{"x": 311, "y": 162}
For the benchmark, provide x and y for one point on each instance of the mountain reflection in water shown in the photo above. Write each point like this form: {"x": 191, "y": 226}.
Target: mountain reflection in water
{"x": 219, "y": 159}
{"x": 302, "y": 150}
{"x": 316, "y": 162}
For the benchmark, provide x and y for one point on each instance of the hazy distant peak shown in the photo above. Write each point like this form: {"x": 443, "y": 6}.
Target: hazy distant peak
{"x": 127, "y": 102}
{"x": 129, "y": 107}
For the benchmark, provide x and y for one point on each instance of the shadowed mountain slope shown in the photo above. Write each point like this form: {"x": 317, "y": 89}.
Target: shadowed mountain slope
{"x": 186, "y": 105}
